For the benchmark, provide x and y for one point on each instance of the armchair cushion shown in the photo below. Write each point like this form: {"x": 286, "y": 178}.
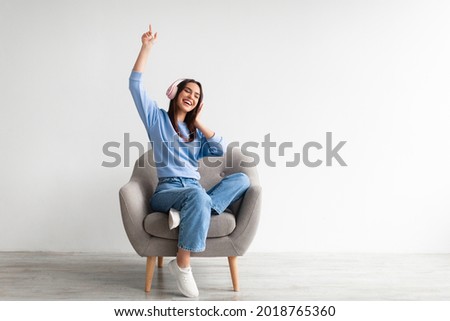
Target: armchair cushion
{"x": 156, "y": 224}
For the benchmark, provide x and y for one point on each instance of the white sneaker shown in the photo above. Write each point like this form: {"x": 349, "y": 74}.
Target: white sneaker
{"x": 185, "y": 280}
{"x": 174, "y": 218}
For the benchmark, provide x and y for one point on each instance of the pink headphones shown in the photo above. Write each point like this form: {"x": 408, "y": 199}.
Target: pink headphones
{"x": 172, "y": 90}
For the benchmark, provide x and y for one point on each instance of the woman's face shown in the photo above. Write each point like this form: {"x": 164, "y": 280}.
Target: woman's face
{"x": 188, "y": 97}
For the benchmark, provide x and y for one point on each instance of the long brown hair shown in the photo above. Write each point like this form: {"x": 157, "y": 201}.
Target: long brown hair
{"x": 190, "y": 116}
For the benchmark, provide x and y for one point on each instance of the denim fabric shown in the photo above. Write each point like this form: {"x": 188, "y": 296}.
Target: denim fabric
{"x": 196, "y": 204}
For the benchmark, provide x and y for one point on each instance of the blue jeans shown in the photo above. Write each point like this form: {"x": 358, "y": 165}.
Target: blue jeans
{"x": 196, "y": 204}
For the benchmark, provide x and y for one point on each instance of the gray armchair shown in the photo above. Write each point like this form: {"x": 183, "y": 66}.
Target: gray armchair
{"x": 230, "y": 233}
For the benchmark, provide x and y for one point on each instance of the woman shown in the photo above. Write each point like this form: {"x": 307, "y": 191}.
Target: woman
{"x": 179, "y": 139}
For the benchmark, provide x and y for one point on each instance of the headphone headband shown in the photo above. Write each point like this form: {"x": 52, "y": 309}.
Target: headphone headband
{"x": 172, "y": 90}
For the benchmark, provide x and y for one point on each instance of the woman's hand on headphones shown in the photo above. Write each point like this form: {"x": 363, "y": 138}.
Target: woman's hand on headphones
{"x": 197, "y": 117}
{"x": 148, "y": 38}
{"x": 208, "y": 133}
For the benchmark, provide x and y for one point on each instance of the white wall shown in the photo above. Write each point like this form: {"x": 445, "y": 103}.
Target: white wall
{"x": 374, "y": 73}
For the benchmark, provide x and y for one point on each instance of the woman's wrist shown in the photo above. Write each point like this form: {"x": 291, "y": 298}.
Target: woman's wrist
{"x": 146, "y": 46}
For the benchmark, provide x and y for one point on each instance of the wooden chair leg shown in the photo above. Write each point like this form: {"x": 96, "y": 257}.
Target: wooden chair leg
{"x": 160, "y": 261}
{"x": 232, "y": 261}
{"x": 151, "y": 261}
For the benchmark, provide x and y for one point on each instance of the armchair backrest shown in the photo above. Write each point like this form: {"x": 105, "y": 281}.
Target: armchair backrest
{"x": 213, "y": 169}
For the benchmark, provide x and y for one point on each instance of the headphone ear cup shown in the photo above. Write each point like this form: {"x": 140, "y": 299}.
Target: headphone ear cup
{"x": 172, "y": 90}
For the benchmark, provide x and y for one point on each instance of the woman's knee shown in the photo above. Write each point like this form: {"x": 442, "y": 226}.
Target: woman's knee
{"x": 242, "y": 180}
{"x": 198, "y": 195}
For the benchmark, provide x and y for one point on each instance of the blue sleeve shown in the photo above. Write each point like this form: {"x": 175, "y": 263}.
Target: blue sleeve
{"x": 147, "y": 108}
{"x": 214, "y": 146}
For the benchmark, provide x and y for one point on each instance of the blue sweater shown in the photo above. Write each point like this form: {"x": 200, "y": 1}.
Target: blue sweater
{"x": 173, "y": 156}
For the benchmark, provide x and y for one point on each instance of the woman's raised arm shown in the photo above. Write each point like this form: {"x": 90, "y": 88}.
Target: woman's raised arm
{"x": 148, "y": 39}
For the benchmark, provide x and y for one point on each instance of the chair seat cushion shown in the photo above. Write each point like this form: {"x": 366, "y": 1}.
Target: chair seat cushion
{"x": 156, "y": 224}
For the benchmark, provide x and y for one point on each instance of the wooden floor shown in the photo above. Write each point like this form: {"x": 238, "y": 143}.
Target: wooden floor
{"x": 94, "y": 276}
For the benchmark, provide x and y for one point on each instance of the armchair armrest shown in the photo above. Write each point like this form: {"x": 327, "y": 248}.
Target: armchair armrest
{"x": 247, "y": 219}
{"x": 134, "y": 207}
